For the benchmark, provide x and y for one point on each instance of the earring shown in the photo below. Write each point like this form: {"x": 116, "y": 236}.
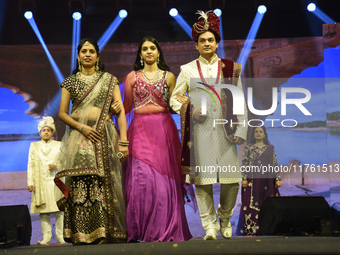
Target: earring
{"x": 97, "y": 66}
{"x": 157, "y": 60}
{"x": 79, "y": 67}
{"x": 141, "y": 61}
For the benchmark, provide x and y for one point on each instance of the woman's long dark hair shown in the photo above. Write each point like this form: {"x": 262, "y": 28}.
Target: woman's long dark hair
{"x": 265, "y": 139}
{"x": 94, "y": 43}
{"x": 161, "y": 65}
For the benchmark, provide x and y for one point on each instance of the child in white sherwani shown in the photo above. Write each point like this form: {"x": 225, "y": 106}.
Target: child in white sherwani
{"x": 40, "y": 180}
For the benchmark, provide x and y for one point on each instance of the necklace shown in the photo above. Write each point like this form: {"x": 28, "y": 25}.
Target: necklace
{"x": 88, "y": 79}
{"x": 201, "y": 74}
{"x": 260, "y": 145}
{"x": 152, "y": 80}
{"x": 217, "y": 78}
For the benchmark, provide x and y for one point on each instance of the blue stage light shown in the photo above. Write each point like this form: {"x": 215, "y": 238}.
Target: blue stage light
{"x": 173, "y": 12}
{"x": 75, "y": 41}
{"x": 76, "y": 15}
{"x": 242, "y": 59}
{"x": 181, "y": 21}
{"x": 311, "y": 7}
{"x": 123, "y": 13}
{"x": 55, "y": 68}
{"x": 53, "y": 107}
{"x": 28, "y": 15}
{"x": 262, "y": 9}
{"x": 218, "y": 12}
{"x": 320, "y": 14}
{"x": 111, "y": 29}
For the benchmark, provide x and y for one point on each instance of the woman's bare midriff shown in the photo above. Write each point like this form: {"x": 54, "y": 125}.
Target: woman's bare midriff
{"x": 150, "y": 108}
{"x": 93, "y": 114}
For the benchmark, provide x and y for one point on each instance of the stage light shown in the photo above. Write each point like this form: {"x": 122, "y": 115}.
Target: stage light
{"x": 76, "y": 15}
{"x": 242, "y": 59}
{"x": 55, "y": 68}
{"x": 182, "y": 23}
{"x": 173, "y": 12}
{"x": 311, "y": 7}
{"x": 27, "y": 8}
{"x": 28, "y": 14}
{"x": 217, "y": 5}
{"x": 75, "y": 42}
{"x": 173, "y": 6}
{"x": 320, "y": 14}
{"x": 218, "y": 12}
{"x": 77, "y": 8}
{"x": 262, "y": 9}
{"x": 123, "y": 13}
{"x": 52, "y": 109}
{"x": 123, "y": 7}
{"x": 110, "y": 31}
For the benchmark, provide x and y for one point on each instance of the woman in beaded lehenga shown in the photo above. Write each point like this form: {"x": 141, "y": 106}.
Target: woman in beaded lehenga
{"x": 93, "y": 195}
{"x": 154, "y": 180}
{"x": 256, "y": 187}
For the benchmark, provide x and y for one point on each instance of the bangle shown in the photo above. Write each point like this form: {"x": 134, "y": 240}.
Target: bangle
{"x": 81, "y": 128}
{"x": 123, "y": 143}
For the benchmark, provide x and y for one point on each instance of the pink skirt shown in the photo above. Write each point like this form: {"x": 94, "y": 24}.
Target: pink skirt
{"x": 153, "y": 182}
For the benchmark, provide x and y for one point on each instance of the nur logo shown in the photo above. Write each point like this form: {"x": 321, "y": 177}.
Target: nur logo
{"x": 204, "y": 98}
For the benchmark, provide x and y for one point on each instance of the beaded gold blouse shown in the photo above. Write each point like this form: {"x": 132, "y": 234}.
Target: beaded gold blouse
{"x": 74, "y": 85}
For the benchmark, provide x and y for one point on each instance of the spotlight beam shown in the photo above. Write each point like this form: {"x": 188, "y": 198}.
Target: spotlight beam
{"x": 109, "y": 32}
{"x": 55, "y": 68}
{"x": 323, "y": 16}
{"x": 75, "y": 42}
{"x": 242, "y": 59}
{"x": 183, "y": 24}
{"x": 220, "y": 49}
{"x": 53, "y": 106}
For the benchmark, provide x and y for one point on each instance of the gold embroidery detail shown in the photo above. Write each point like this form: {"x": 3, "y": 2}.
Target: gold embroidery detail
{"x": 189, "y": 144}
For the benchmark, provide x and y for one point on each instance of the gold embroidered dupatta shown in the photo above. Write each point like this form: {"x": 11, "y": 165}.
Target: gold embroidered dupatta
{"x": 80, "y": 155}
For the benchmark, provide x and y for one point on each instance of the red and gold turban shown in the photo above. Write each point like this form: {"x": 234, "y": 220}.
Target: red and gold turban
{"x": 208, "y": 21}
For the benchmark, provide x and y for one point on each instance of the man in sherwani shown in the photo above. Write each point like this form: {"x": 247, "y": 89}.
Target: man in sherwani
{"x": 42, "y": 161}
{"x": 215, "y": 153}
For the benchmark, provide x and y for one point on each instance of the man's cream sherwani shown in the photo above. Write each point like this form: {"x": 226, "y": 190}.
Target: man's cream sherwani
{"x": 42, "y": 154}
{"x": 212, "y": 148}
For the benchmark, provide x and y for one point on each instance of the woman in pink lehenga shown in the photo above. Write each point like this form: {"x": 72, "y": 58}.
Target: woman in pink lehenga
{"x": 154, "y": 181}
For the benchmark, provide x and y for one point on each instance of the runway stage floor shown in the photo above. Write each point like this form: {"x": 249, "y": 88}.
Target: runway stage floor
{"x": 235, "y": 245}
